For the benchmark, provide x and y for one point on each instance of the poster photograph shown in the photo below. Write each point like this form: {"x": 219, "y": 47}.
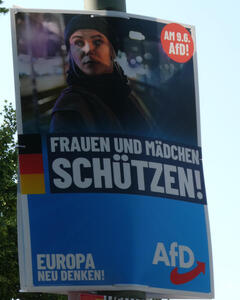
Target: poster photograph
{"x": 111, "y": 186}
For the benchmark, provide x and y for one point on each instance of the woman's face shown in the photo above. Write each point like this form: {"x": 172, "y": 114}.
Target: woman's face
{"x": 91, "y": 51}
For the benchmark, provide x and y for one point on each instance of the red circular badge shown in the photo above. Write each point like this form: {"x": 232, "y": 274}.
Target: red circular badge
{"x": 177, "y": 42}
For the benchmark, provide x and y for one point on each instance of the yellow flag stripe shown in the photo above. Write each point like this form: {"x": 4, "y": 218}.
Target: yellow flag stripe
{"x": 32, "y": 184}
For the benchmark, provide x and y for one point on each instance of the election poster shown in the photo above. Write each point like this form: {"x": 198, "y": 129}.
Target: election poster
{"x": 111, "y": 186}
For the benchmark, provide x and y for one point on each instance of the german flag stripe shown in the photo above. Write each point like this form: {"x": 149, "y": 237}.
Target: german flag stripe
{"x": 29, "y": 143}
{"x": 32, "y": 184}
{"x": 31, "y": 163}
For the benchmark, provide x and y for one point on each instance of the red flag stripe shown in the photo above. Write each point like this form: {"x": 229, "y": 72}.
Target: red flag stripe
{"x": 31, "y": 163}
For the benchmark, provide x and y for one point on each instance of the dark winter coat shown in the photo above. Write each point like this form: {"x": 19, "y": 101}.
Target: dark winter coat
{"x": 103, "y": 104}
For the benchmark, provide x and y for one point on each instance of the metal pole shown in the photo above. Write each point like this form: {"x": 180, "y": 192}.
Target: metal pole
{"x": 74, "y": 296}
{"x": 118, "y": 5}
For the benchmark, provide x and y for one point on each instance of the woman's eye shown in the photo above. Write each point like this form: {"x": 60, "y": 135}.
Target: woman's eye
{"x": 98, "y": 42}
{"x": 79, "y": 43}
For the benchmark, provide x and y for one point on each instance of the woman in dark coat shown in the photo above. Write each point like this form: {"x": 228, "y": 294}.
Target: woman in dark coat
{"x": 98, "y": 97}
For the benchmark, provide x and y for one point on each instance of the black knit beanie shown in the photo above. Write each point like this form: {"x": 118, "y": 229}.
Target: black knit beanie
{"x": 90, "y": 22}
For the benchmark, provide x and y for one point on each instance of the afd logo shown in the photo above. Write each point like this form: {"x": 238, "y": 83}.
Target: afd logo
{"x": 178, "y": 255}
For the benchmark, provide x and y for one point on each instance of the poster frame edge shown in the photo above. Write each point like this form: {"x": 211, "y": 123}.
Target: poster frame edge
{"x": 20, "y": 237}
{"x": 196, "y": 85}
{"x": 16, "y": 73}
{"x": 27, "y": 255}
{"x": 210, "y": 254}
{"x": 103, "y": 13}
{"x": 150, "y": 291}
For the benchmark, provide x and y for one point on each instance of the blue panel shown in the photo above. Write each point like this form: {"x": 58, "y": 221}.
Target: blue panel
{"x": 121, "y": 232}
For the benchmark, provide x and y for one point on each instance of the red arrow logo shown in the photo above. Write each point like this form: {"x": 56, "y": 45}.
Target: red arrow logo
{"x": 177, "y": 278}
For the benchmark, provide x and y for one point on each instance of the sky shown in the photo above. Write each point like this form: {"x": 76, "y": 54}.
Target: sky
{"x": 218, "y": 48}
